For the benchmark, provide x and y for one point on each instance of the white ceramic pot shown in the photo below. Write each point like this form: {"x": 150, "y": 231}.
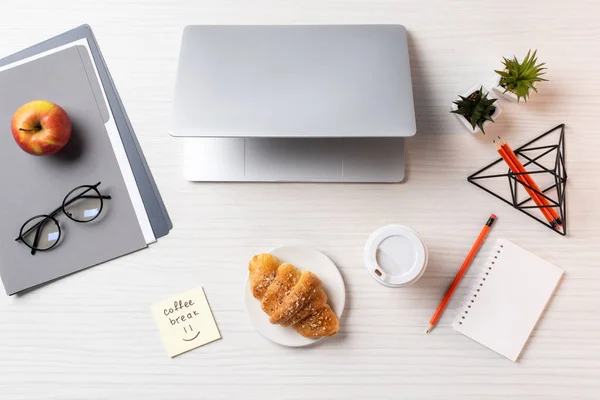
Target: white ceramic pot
{"x": 466, "y": 123}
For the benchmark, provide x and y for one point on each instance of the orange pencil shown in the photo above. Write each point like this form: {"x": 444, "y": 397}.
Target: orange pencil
{"x": 461, "y": 272}
{"x": 521, "y": 178}
{"x": 541, "y": 200}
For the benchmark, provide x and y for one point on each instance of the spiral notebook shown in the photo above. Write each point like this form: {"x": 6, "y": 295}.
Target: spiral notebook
{"x": 507, "y": 299}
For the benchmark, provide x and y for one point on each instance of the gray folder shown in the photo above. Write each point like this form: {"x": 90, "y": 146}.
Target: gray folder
{"x": 157, "y": 212}
{"x": 87, "y": 159}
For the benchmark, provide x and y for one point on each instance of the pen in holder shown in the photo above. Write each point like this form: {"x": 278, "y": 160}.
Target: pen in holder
{"x": 545, "y": 162}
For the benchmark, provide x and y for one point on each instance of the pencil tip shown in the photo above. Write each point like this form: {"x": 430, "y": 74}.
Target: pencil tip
{"x": 427, "y": 331}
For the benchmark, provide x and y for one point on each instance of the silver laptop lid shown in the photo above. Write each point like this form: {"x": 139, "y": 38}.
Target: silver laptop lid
{"x": 294, "y": 81}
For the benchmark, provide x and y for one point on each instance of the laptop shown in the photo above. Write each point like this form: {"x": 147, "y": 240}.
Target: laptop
{"x": 309, "y": 103}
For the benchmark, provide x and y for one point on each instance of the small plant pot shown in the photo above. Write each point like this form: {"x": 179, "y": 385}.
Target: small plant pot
{"x": 500, "y": 91}
{"x": 465, "y": 122}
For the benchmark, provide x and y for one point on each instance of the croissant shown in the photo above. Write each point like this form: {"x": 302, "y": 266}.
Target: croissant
{"x": 291, "y": 297}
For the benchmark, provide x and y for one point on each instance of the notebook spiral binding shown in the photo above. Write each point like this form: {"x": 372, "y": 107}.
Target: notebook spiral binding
{"x": 485, "y": 273}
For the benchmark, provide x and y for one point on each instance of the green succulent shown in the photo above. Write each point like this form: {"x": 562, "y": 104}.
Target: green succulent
{"x": 519, "y": 78}
{"x": 476, "y": 108}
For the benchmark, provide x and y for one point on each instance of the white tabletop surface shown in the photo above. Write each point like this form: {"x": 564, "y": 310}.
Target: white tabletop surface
{"x": 92, "y": 336}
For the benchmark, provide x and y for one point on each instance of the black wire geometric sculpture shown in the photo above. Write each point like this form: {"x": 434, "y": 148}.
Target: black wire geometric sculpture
{"x": 556, "y": 175}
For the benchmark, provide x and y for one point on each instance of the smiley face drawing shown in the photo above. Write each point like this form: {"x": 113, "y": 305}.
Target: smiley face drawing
{"x": 191, "y": 330}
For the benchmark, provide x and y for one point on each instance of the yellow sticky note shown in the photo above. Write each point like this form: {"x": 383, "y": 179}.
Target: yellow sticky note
{"x": 185, "y": 322}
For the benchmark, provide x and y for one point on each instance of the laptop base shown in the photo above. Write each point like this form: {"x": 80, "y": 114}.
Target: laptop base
{"x": 365, "y": 160}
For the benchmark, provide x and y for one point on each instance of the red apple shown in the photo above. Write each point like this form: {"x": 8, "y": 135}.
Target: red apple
{"x": 41, "y": 127}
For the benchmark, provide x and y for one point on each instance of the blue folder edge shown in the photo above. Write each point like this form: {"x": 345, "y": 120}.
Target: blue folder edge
{"x": 155, "y": 207}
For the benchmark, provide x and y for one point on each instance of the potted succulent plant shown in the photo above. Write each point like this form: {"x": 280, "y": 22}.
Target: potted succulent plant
{"x": 475, "y": 109}
{"x": 517, "y": 80}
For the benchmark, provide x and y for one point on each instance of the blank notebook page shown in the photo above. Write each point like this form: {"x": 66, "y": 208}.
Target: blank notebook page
{"x": 508, "y": 299}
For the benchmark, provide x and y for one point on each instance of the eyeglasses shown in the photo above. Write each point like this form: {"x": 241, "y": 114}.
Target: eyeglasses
{"x": 82, "y": 204}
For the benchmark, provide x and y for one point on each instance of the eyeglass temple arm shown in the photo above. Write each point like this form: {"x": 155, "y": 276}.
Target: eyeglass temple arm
{"x": 36, "y": 239}
{"x": 88, "y": 197}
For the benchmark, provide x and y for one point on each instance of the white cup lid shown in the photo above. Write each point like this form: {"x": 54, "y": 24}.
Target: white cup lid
{"x": 395, "y": 255}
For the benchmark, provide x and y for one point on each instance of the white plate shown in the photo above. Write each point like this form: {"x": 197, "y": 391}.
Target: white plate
{"x": 302, "y": 258}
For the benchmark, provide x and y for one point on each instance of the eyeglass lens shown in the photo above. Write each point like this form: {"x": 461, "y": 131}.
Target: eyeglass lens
{"x": 83, "y": 204}
{"x": 45, "y": 228}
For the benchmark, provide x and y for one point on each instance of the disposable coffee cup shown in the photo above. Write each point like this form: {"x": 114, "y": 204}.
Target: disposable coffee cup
{"x": 396, "y": 256}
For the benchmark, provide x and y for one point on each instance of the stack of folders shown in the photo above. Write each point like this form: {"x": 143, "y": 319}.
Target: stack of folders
{"x": 69, "y": 70}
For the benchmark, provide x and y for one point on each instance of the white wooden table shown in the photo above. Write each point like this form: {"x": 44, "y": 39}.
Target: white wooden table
{"x": 91, "y": 335}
